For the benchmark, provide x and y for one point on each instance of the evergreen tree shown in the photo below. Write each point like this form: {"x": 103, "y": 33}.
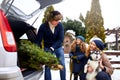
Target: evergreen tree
{"x": 74, "y": 25}
{"x": 94, "y": 22}
{"x": 46, "y": 13}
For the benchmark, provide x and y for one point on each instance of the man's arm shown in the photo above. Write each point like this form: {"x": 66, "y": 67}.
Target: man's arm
{"x": 39, "y": 36}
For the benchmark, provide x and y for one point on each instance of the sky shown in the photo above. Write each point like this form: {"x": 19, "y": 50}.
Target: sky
{"x": 73, "y": 8}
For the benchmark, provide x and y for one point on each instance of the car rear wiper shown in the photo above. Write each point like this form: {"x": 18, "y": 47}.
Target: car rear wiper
{"x": 4, "y": 4}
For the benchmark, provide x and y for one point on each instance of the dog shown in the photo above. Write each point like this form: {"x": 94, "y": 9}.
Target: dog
{"x": 94, "y": 63}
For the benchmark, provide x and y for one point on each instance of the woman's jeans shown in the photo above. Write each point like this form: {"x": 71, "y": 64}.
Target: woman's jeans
{"x": 60, "y": 55}
{"x": 103, "y": 76}
{"x": 100, "y": 76}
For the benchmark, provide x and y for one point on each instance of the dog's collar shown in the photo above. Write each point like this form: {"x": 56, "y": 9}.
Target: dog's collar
{"x": 92, "y": 59}
{"x": 95, "y": 52}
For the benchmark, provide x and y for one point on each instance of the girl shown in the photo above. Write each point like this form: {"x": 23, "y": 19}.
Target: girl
{"x": 78, "y": 56}
{"x": 104, "y": 63}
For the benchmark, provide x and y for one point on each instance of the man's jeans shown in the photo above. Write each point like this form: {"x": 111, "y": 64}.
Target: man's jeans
{"x": 60, "y": 55}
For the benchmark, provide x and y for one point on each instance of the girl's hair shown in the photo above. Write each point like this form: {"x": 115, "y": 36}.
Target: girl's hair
{"x": 54, "y": 15}
{"x": 82, "y": 46}
{"x": 88, "y": 50}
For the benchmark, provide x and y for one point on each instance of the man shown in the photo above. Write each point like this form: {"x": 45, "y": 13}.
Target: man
{"x": 52, "y": 33}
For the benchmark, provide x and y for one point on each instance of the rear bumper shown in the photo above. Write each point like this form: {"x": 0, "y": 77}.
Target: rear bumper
{"x": 34, "y": 76}
{"x": 10, "y": 73}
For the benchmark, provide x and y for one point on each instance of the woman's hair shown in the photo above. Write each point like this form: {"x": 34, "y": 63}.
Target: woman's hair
{"x": 88, "y": 50}
{"x": 54, "y": 15}
{"x": 82, "y": 46}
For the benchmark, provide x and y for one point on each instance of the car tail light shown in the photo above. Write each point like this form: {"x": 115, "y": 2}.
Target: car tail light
{"x": 7, "y": 35}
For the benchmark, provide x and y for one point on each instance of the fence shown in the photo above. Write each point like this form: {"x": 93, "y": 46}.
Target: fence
{"x": 114, "y": 57}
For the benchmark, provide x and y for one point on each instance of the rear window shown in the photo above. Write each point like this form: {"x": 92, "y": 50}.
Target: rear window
{"x": 0, "y": 1}
{"x": 27, "y": 6}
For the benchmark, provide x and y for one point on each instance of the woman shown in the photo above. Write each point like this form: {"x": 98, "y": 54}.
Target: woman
{"x": 78, "y": 56}
{"x": 104, "y": 63}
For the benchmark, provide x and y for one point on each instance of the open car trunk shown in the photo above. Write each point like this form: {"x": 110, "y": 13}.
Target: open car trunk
{"x": 17, "y": 13}
{"x": 23, "y": 9}
{"x": 20, "y": 28}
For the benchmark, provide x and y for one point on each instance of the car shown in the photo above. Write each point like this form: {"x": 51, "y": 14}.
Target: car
{"x": 13, "y": 25}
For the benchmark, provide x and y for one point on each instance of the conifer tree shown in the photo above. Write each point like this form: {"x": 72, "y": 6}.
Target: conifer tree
{"x": 94, "y": 22}
{"x": 74, "y": 25}
{"x": 47, "y": 11}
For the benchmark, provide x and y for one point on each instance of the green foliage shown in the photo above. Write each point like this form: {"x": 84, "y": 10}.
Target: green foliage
{"x": 32, "y": 56}
{"x": 81, "y": 18}
{"x": 48, "y": 10}
{"x": 75, "y": 26}
{"x": 94, "y": 22}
